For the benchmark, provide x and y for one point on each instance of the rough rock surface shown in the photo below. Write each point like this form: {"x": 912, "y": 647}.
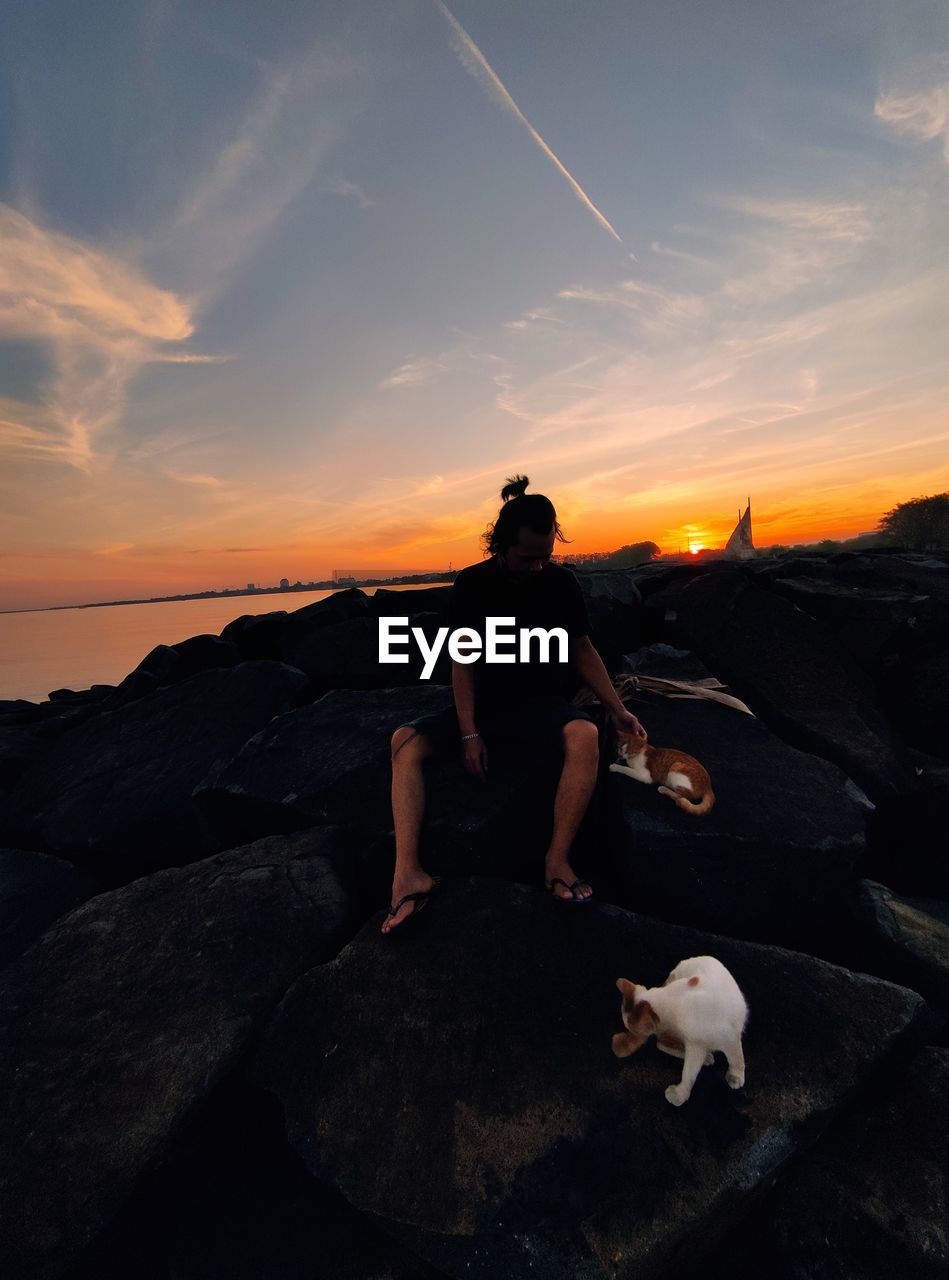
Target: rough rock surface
{"x": 234, "y": 1202}
{"x": 457, "y": 1082}
{"x": 791, "y": 674}
{"x": 919, "y": 699}
{"x": 872, "y": 1201}
{"x": 906, "y": 939}
{"x": 345, "y": 655}
{"x": 614, "y": 607}
{"x": 119, "y": 1022}
{"x": 868, "y": 621}
{"x": 257, "y": 635}
{"x": 385, "y": 603}
{"x": 121, "y": 783}
{"x": 769, "y": 862}
{"x": 22, "y": 746}
{"x": 35, "y": 890}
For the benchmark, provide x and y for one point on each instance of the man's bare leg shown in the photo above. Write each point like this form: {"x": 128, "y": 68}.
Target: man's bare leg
{"x": 409, "y": 749}
{"x": 577, "y": 780}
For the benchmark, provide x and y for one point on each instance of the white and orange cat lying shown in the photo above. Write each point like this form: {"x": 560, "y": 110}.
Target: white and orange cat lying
{"x": 697, "y": 1012}
{"x": 678, "y": 775}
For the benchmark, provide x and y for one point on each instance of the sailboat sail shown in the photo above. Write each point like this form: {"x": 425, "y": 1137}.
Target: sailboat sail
{"x": 740, "y": 545}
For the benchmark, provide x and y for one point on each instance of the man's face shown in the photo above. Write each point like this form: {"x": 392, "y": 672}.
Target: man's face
{"x": 531, "y": 554}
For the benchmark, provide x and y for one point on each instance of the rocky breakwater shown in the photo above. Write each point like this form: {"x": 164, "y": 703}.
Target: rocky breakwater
{"x": 455, "y": 1082}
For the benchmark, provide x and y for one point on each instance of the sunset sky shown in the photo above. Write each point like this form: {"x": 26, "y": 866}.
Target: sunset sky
{"x": 293, "y": 286}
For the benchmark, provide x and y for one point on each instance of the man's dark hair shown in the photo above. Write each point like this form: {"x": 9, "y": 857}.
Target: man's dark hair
{"x": 531, "y": 510}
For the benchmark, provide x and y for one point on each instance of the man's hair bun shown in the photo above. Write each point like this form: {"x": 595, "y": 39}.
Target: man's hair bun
{"x": 520, "y": 510}
{"x": 515, "y": 487}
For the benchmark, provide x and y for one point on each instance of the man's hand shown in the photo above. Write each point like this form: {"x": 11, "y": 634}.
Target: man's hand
{"x": 474, "y": 756}
{"x": 627, "y": 722}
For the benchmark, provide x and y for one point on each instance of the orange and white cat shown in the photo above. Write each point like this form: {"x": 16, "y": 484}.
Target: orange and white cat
{"x": 697, "y": 1012}
{"x": 679, "y": 776}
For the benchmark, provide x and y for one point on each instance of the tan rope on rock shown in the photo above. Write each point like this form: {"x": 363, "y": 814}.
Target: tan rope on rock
{"x": 707, "y": 688}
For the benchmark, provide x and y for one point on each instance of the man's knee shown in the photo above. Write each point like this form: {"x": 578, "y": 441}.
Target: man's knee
{"x": 408, "y": 743}
{"x": 580, "y": 738}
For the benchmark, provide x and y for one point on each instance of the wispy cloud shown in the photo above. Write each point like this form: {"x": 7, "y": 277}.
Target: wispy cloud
{"x": 413, "y": 373}
{"x": 918, "y": 105}
{"x": 272, "y": 156}
{"x": 656, "y": 307}
{"x": 791, "y": 243}
{"x": 211, "y": 482}
{"x": 52, "y": 286}
{"x": 100, "y": 314}
{"x": 474, "y": 61}
{"x": 101, "y": 320}
{"x": 349, "y": 191}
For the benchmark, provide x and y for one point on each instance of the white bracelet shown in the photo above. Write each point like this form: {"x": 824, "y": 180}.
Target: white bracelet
{"x": 465, "y": 737}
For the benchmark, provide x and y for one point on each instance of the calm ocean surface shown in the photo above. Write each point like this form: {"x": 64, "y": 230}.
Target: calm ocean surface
{"x": 76, "y": 648}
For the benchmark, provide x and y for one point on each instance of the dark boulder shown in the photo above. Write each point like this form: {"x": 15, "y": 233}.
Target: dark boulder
{"x": 872, "y": 1200}
{"x": 917, "y": 698}
{"x": 35, "y": 890}
{"x": 234, "y": 1202}
{"x": 345, "y": 655}
{"x": 614, "y": 607}
{"x": 458, "y": 1084}
{"x": 170, "y": 664}
{"x": 907, "y": 841}
{"x": 385, "y": 603}
{"x": 257, "y": 635}
{"x": 869, "y": 622}
{"x": 338, "y": 607}
{"x": 121, "y": 783}
{"x": 23, "y": 745}
{"x": 771, "y": 859}
{"x": 922, "y": 574}
{"x": 666, "y": 662}
{"x": 20, "y": 711}
{"x": 903, "y": 939}
{"x": 119, "y": 1022}
{"x": 81, "y": 697}
{"x": 791, "y": 674}
{"x": 786, "y": 567}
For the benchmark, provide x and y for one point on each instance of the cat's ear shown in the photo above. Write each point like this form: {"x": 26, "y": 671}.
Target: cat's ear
{"x": 645, "y": 1013}
{"x": 624, "y": 1044}
{"x": 626, "y": 987}
{"x": 694, "y": 980}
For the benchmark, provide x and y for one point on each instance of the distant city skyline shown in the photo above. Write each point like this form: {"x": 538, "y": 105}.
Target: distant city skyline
{"x": 291, "y": 286}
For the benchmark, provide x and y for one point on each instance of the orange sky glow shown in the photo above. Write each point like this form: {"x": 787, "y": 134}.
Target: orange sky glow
{"x": 317, "y": 331}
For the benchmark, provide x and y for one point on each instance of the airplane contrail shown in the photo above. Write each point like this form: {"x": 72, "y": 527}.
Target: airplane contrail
{"x": 474, "y": 61}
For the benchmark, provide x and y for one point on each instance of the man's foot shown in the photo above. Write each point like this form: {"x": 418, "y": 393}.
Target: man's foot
{"x": 561, "y": 879}
{"x": 401, "y": 889}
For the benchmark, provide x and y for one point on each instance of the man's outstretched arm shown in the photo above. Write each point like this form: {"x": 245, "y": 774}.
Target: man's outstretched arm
{"x": 589, "y": 667}
{"x": 473, "y": 751}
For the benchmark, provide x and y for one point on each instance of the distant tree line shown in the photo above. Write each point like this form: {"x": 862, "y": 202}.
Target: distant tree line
{"x": 921, "y": 523}
{"x": 623, "y": 558}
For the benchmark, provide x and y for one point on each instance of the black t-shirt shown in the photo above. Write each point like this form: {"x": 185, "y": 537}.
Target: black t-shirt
{"x": 548, "y": 598}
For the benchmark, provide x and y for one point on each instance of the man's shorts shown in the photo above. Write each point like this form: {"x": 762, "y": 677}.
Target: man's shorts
{"x": 539, "y": 720}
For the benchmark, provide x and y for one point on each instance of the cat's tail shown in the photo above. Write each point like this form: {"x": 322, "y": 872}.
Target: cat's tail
{"x": 688, "y": 801}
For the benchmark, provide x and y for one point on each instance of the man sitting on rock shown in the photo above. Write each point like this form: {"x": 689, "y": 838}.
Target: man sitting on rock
{"x": 521, "y": 701}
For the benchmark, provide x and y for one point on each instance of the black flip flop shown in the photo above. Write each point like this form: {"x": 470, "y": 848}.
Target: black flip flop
{"x": 421, "y": 898}
{"x": 572, "y": 889}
